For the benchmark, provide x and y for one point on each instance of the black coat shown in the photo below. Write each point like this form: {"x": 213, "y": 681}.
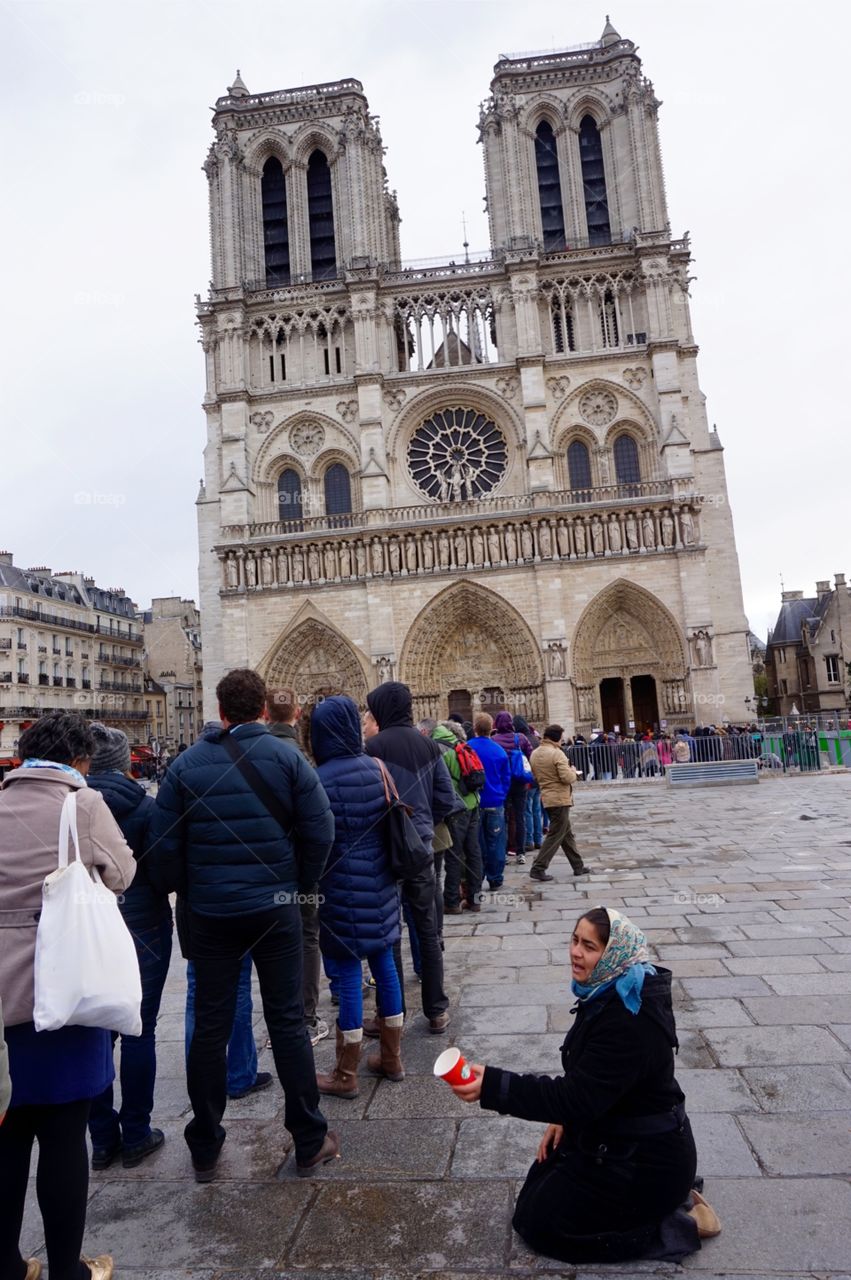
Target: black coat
{"x": 617, "y": 1065}
{"x": 133, "y": 809}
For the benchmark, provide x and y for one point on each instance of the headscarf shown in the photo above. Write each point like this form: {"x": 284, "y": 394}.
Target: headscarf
{"x": 623, "y": 965}
{"x": 32, "y": 763}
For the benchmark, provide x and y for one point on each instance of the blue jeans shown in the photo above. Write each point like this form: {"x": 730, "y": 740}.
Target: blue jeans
{"x": 348, "y": 977}
{"x": 493, "y": 839}
{"x": 534, "y": 817}
{"x": 242, "y": 1051}
{"x": 132, "y": 1124}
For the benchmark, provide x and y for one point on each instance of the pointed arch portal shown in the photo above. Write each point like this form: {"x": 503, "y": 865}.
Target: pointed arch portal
{"x": 313, "y": 658}
{"x": 471, "y": 649}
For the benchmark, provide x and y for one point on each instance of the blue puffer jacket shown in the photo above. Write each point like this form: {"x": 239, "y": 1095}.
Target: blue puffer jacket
{"x": 360, "y": 912}
{"x": 217, "y": 844}
{"x": 141, "y": 904}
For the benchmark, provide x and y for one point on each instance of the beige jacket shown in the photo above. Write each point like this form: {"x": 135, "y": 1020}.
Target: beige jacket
{"x": 30, "y": 805}
{"x": 554, "y": 774}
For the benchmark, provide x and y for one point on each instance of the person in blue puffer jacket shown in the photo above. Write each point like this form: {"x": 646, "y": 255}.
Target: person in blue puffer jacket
{"x": 358, "y": 895}
{"x": 147, "y": 914}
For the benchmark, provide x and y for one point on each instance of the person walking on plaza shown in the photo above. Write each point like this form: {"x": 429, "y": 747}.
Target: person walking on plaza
{"x": 284, "y": 712}
{"x": 555, "y": 776}
{"x": 358, "y": 897}
{"x": 424, "y": 784}
{"x": 492, "y": 833}
{"x": 54, "y": 1074}
{"x": 464, "y": 859}
{"x": 242, "y": 826}
{"x": 147, "y": 913}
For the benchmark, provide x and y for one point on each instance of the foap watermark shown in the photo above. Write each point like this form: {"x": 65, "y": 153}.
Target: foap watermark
{"x": 96, "y": 98}
{"x": 285, "y": 897}
{"x": 498, "y": 899}
{"x": 94, "y": 498}
{"x": 98, "y": 298}
{"x": 687, "y": 898}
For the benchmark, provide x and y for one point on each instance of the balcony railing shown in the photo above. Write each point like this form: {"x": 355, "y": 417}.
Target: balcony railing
{"x": 5, "y": 677}
{"x": 44, "y": 681}
{"x": 124, "y": 662}
{"x": 22, "y": 644}
{"x": 113, "y": 714}
{"x": 23, "y": 678}
{"x": 87, "y": 684}
{"x": 69, "y": 624}
{"x": 5, "y": 642}
{"x": 57, "y": 682}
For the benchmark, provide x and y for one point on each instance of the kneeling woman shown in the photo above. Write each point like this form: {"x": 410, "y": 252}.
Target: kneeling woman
{"x": 615, "y": 1168}
{"x": 359, "y": 901}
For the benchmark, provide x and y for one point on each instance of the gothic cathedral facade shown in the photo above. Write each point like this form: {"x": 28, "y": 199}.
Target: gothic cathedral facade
{"x": 493, "y": 479}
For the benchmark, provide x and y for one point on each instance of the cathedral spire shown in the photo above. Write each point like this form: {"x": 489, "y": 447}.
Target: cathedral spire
{"x": 238, "y": 89}
{"x": 609, "y": 36}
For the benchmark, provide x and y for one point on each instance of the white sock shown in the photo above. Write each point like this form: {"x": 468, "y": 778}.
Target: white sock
{"x": 397, "y": 1020}
{"x": 354, "y": 1036}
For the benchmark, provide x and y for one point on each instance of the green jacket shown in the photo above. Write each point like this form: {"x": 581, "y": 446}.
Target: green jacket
{"x": 447, "y": 740}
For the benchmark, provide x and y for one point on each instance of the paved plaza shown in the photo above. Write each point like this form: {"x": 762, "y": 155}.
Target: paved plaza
{"x": 744, "y": 892}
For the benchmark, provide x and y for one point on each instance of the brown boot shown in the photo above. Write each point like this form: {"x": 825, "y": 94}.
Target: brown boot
{"x": 708, "y": 1222}
{"x": 343, "y": 1080}
{"x": 387, "y": 1061}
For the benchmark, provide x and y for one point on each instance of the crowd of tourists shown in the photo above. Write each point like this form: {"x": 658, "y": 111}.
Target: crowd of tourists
{"x": 270, "y": 835}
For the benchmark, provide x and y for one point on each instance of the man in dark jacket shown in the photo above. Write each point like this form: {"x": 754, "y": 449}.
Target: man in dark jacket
{"x": 284, "y": 711}
{"x": 241, "y": 871}
{"x": 423, "y": 782}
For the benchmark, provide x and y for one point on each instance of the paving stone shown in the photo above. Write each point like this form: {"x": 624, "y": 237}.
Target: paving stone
{"x": 186, "y": 1225}
{"x": 750, "y": 965}
{"x": 810, "y": 984}
{"x": 799, "y": 1088}
{"x": 714, "y": 1089}
{"x": 527, "y": 941}
{"x": 507, "y": 1145}
{"x": 721, "y": 1150}
{"x": 836, "y": 963}
{"x": 252, "y": 1152}
{"x": 699, "y": 969}
{"x": 396, "y": 1148}
{"x": 404, "y": 1227}
{"x": 798, "y": 1010}
{"x": 842, "y": 1032}
{"x": 417, "y": 1096}
{"x": 792, "y": 1143}
{"x": 711, "y": 1013}
{"x": 693, "y": 1051}
{"x": 504, "y": 1019}
{"x": 473, "y": 994}
{"x": 765, "y": 1046}
{"x": 538, "y": 1053}
{"x": 680, "y": 951}
{"x": 776, "y": 932}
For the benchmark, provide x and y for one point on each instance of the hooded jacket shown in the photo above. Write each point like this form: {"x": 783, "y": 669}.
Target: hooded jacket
{"x": 507, "y": 736}
{"x": 447, "y": 742}
{"x": 416, "y": 763}
{"x": 215, "y": 841}
{"x": 359, "y": 902}
{"x": 617, "y": 1066}
{"x": 142, "y": 906}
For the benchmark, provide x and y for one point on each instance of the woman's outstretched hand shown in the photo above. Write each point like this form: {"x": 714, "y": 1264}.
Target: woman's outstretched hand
{"x": 552, "y": 1137}
{"x": 473, "y": 1091}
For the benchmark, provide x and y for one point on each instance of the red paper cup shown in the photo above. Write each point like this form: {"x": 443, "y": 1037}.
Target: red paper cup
{"x": 452, "y": 1067}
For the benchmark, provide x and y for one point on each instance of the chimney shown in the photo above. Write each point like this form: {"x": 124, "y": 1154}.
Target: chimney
{"x": 822, "y": 589}
{"x": 791, "y": 595}
{"x": 839, "y": 579}
{"x": 6, "y": 557}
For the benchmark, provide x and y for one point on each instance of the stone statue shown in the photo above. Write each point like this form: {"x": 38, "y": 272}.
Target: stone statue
{"x": 377, "y": 557}
{"x": 395, "y": 556}
{"x": 648, "y": 533}
{"x": 314, "y": 569}
{"x": 667, "y": 530}
{"x": 615, "y": 539}
{"x": 579, "y": 538}
{"x": 232, "y": 572}
{"x": 460, "y": 549}
{"x": 384, "y": 668}
{"x": 632, "y": 533}
{"x": 345, "y": 560}
{"x": 545, "y": 541}
{"x": 702, "y": 649}
{"x": 443, "y": 549}
{"x": 330, "y": 558}
{"x": 563, "y": 539}
{"x": 298, "y": 565}
{"x": 527, "y": 546}
{"x": 478, "y": 544}
{"x": 427, "y": 551}
{"x": 687, "y": 528}
{"x": 411, "y": 555}
{"x": 443, "y": 491}
{"x": 494, "y": 554}
{"x": 458, "y": 480}
{"x": 283, "y": 574}
{"x": 267, "y": 569}
{"x": 510, "y": 544}
{"x": 556, "y": 656}
{"x": 250, "y": 571}
{"x": 360, "y": 558}
{"x": 597, "y": 537}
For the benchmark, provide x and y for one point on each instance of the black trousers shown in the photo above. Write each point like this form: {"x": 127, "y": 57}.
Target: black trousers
{"x": 218, "y": 944}
{"x": 62, "y": 1185}
{"x": 425, "y": 905}
{"x": 464, "y": 859}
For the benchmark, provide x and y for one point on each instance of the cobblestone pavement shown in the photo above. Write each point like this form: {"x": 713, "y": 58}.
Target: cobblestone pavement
{"x": 743, "y": 892}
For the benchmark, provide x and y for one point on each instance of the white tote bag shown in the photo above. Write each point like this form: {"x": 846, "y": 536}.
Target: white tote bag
{"x": 86, "y": 967}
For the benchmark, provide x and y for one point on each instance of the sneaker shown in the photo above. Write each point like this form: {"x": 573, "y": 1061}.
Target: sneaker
{"x": 330, "y": 1150}
{"x": 539, "y": 875}
{"x": 131, "y": 1156}
{"x": 521, "y": 861}
{"x": 102, "y": 1157}
{"x": 318, "y": 1030}
{"x": 102, "y": 1267}
{"x": 261, "y": 1081}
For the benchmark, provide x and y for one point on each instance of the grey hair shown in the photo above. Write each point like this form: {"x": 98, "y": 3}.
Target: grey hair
{"x": 454, "y": 727}
{"x": 427, "y": 726}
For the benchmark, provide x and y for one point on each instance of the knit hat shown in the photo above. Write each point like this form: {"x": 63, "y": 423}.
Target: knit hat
{"x": 112, "y": 750}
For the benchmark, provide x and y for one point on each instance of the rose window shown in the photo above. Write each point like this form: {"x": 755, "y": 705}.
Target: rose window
{"x": 457, "y": 454}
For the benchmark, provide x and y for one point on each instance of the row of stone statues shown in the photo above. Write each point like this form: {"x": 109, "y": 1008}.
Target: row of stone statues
{"x": 507, "y": 543}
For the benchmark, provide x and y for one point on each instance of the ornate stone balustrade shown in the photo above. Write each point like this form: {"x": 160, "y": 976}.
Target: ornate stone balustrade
{"x": 639, "y": 529}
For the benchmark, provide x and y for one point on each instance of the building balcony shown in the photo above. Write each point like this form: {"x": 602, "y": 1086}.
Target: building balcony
{"x": 23, "y": 678}
{"x": 44, "y": 681}
{"x": 71, "y": 682}
{"x": 124, "y": 662}
{"x": 21, "y": 644}
{"x": 5, "y": 642}
{"x": 86, "y": 684}
{"x": 5, "y": 677}
{"x": 58, "y": 682}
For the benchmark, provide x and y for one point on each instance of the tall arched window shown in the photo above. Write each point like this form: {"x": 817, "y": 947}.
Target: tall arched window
{"x": 549, "y": 187}
{"x": 627, "y": 468}
{"x": 275, "y": 230}
{"x": 320, "y": 212}
{"x": 579, "y": 467}
{"x": 338, "y": 496}
{"x": 290, "y": 496}
{"x": 594, "y": 182}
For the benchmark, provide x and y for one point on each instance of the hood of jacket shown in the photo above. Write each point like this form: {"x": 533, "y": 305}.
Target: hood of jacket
{"x": 335, "y": 729}
{"x": 392, "y": 705}
{"x": 444, "y": 736}
{"x": 503, "y": 722}
{"x": 123, "y": 795}
{"x": 657, "y": 1003}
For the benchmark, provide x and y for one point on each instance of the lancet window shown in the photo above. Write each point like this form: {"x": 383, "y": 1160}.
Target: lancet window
{"x": 579, "y": 468}
{"x": 290, "y": 504}
{"x": 594, "y": 182}
{"x": 549, "y": 187}
{"x": 445, "y": 330}
{"x": 338, "y": 495}
{"x": 627, "y": 465}
{"x": 320, "y": 212}
{"x": 275, "y": 228}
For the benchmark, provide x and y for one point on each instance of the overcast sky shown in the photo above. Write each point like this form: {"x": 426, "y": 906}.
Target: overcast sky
{"x": 106, "y": 123}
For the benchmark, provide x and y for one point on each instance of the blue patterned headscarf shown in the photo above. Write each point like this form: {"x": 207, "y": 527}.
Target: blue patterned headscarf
{"x": 623, "y": 965}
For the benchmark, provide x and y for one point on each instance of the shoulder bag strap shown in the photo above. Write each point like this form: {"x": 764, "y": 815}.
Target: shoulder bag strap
{"x": 387, "y": 779}
{"x": 257, "y": 783}
{"x": 68, "y": 828}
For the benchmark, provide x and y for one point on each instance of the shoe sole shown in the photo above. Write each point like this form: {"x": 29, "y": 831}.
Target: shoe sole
{"x": 205, "y": 1175}
{"x": 313, "y": 1168}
